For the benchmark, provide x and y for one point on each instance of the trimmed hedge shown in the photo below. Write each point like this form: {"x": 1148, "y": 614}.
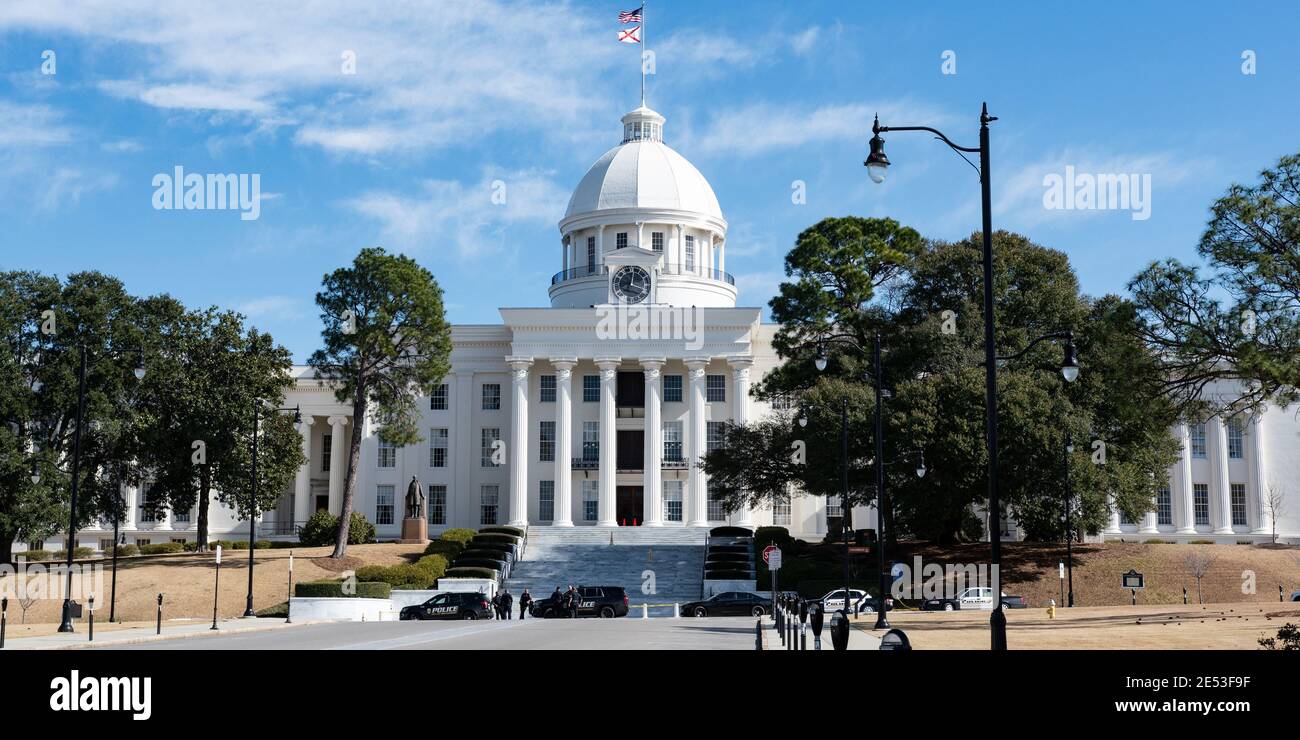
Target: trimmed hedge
{"x": 485, "y": 554}
{"x": 458, "y": 534}
{"x": 78, "y": 553}
{"x": 123, "y": 551}
{"x": 447, "y": 548}
{"x": 322, "y": 529}
{"x": 334, "y": 589}
{"x": 728, "y": 531}
{"x": 515, "y": 531}
{"x": 418, "y": 575}
{"x": 503, "y": 539}
{"x": 464, "y": 562}
{"x": 36, "y": 555}
{"x": 764, "y": 536}
{"x": 162, "y": 548}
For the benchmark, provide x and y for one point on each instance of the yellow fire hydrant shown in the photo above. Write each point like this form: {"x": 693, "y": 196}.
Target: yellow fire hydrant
{"x": 1051, "y": 608}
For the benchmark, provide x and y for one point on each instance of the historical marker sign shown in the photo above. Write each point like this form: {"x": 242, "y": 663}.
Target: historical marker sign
{"x": 1133, "y": 579}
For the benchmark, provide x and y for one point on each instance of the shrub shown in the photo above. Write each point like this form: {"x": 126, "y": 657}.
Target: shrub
{"x": 464, "y": 562}
{"x": 469, "y": 572}
{"x": 727, "y": 531}
{"x": 503, "y": 539}
{"x": 78, "y": 553}
{"x": 447, "y": 548}
{"x": 764, "y": 536}
{"x": 458, "y": 534}
{"x": 396, "y": 576}
{"x": 334, "y": 589}
{"x": 1200, "y": 542}
{"x": 322, "y": 529}
{"x": 35, "y": 555}
{"x": 279, "y": 611}
{"x": 514, "y": 531}
{"x": 123, "y": 551}
{"x": 434, "y": 566}
{"x": 162, "y": 548}
{"x": 284, "y": 544}
{"x": 485, "y": 554}
{"x": 1157, "y": 542}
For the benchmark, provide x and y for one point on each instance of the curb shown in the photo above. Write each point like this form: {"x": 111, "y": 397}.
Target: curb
{"x": 158, "y": 638}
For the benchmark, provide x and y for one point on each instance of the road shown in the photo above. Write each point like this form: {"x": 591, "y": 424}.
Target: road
{"x": 716, "y": 633}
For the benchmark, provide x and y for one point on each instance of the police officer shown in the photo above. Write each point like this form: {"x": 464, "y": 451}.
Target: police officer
{"x": 575, "y": 600}
{"x": 507, "y": 604}
{"x": 525, "y": 601}
{"x": 496, "y": 606}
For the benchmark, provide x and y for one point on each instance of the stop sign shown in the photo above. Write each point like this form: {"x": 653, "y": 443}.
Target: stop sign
{"x": 772, "y": 556}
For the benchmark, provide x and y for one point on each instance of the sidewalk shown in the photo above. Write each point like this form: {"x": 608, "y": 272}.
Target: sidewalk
{"x": 859, "y": 637}
{"x": 134, "y": 635}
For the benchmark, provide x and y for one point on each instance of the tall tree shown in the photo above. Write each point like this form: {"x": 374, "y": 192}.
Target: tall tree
{"x": 1241, "y": 322}
{"x": 385, "y": 342}
{"x": 208, "y": 374}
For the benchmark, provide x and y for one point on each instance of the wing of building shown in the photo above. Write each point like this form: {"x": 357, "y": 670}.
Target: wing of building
{"x": 592, "y": 410}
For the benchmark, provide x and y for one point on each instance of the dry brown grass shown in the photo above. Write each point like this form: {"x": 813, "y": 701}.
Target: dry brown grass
{"x": 1232, "y": 626}
{"x": 187, "y": 580}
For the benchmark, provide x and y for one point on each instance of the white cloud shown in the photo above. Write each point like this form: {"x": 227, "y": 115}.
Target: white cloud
{"x": 761, "y": 128}
{"x": 710, "y": 54}
{"x": 276, "y": 308}
{"x": 805, "y": 41}
{"x": 23, "y": 126}
{"x": 427, "y": 75}
{"x": 757, "y": 288}
{"x": 468, "y": 219}
{"x": 68, "y": 185}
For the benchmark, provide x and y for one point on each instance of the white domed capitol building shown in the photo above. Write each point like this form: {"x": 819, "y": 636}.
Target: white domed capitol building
{"x": 592, "y": 411}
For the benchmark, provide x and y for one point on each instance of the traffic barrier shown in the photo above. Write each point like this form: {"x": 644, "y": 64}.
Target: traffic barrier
{"x": 160, "y": 614}
{"x": 645, "y": 611}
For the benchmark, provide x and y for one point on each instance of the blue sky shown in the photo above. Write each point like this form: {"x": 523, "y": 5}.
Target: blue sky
{"x": 449, "y": 97}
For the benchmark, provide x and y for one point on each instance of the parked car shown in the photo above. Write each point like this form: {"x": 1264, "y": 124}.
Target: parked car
{"x": 449, "y": 606}
{"x": 728, "y": 604}
{"x": 834, "y": 600}
{"x": 594, "y": 601}
{"x": 868, "y": 604}
{"x": 972, "y": 598}
{"x": 1014, "y": 602}
{"x": 1295, "y": 595}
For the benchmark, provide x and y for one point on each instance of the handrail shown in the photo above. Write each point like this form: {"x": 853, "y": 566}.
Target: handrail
{"x": 574, "y": 273}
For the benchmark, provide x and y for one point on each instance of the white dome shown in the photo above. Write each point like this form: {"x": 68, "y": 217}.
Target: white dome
{"x": 643, "y": 173}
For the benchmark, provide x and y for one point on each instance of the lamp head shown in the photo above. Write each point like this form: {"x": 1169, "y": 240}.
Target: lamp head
{"x": 1070, "y": 367}
{"x": 877, "y": 163}
{"x": 820, "y": 361}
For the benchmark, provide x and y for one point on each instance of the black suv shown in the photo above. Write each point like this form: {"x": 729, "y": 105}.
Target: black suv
{"x": 594, "y": 601}
{"x": 450, "y": 606}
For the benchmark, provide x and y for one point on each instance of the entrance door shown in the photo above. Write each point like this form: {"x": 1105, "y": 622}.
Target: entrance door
{"x": 629, "y": 505}
{"x": 323, "y": 502}
{"x": 630, "y": 454}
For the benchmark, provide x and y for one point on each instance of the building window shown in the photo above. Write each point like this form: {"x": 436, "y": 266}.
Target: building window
{"x": 1236, "y": 445}
{"x": 717, "y": 435}
{"x": 673, "y": 500}
{"x": 387, "y": 454}
{"x": 181, "y": 516}
{"x": 833, "y": 508}
{"x": 591, "y": 254}
{"x": 546, "y": 500}
{"x": 591, "y": 441}
{"x": 546, "y": 447}
{"x": 437, "y": 504}
{"x": 488, "y": 504}
{"x": 590, "y": 500}
{"x": 673, "y": 441}
{"x": 657, "y": 241}
{"x": 1164, "y": 506}
{"x": 1125, "y": 518}
{"x": 142, "y": 541}
{"x": 690, "y": 253}
{"x": 781, "y": 511}
{"x": 438, "y": 448}
{"x": 1198, "y": 439}
{"x": 546, "y": 388}
{"x": 384, "y": 505}
{"x": 438, "y": 399}
{"x": 716, "y": 514}
{"x": 620, "y": 240}
{"x": 146, "y": 510}
{"x": 327, "y": 442}
{"x": 672, "y": 389}
{"x": 591, "y": 389}
{"x": 491, "y": 396}
{"x": 487, "y": 447}
{"x": 1201, "y": 502}
{"x": 782, "y": 402}
{"x": 715, "y": 388}
{"x": 106, "y": 545}
{"x": 1238, "y": 491}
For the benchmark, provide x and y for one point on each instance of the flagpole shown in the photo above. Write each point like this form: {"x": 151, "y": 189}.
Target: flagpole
{"x": 643, "y": 54}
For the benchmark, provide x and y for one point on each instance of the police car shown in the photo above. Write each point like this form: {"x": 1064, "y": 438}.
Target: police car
{"x": 594, "y": 601}
{"x": 450, "y": 606}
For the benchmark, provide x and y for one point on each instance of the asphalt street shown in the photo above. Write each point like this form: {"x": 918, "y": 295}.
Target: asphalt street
{"x": 715, "y": 633}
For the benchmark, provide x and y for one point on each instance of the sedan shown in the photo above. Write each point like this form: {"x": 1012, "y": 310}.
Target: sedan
{"x": 728, "y": 604}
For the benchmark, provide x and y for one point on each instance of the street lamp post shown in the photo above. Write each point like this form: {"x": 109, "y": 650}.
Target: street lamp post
{"x": 117, "y": 544}
{"x": 252, "y": 498}
{"x": 876, "y": 164}
{"x": 66, "y": 624}
{"x": 1069, "y": 529}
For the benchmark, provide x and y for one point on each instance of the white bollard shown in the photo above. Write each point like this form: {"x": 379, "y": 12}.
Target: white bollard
{"x": 677, "y": 610}
{"x": 645, "y": 611}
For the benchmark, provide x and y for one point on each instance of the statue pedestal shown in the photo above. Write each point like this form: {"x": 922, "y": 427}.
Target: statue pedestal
{"x": 414, "y": 532}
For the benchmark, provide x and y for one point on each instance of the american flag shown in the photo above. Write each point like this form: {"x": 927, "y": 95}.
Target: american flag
{"x": 630, "y": 16}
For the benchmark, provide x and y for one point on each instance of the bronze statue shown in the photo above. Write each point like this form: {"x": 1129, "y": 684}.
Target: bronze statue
{"x": 414, "y": 499}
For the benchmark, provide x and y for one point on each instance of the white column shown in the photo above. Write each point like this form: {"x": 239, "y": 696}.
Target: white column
{"x": 164, "y": 521}
{"x": 679, "y": 248}
{"x": 654, "y": 444}
{"x": 1218, "y": 433}
{"x": 722, "y": 257}
{"x": 608, "y": 379}
{"x": 563, "y": 441}
{"x": 740, "y": 412}
{"x": 1112, "y": 527}
{"x": 302, "y": 481}
{"x": 600, "y": 245}
{"x": 698, "y": 495}
{"x": 1149, "y": 523}
{"x": 519, "y": 434}
{"x": 338, "y": 466}
{"x": 1263, "y": 516}
{"x": 1187, "y": 510}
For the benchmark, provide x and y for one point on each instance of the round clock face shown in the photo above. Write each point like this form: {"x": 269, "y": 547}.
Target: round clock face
{"x": 632, "y": 284}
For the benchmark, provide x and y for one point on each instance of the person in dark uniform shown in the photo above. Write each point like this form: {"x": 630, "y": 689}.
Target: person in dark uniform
{"x": 525, "y": 601}
{"x": 507, "y": 604}
{"x": 496, "y": 606}
{"x": 575, "y": 600}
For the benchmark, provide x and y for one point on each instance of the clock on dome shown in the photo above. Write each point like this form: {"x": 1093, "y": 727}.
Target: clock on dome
{"x": 632, "y": 284}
